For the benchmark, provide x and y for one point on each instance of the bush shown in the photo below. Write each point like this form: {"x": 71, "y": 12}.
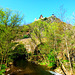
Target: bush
{"x": 47, "y": 55}
{"x": 17, "y": 52}
{"x": 3, "y": 67}
{"x": 25, "y": 28}
{"x": 45, "y": 18}
{"x": 25, "y": 36}
{"x": 51, "y": 58}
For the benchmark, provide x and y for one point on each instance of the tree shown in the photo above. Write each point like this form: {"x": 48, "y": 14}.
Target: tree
{"x": 62, "y": 12}
{"x": 68, "y": 34}
{"x": 37, "y": 30}
{"x": 10, "y": 18}
{"x": 9, "y": 23}
{"x": 45, "y": 33}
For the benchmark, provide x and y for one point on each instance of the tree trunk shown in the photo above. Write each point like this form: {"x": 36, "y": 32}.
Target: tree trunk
{"x": 63, "y": 68}
{"x": 71, "y": 70}
{"x": 1, "y": 62}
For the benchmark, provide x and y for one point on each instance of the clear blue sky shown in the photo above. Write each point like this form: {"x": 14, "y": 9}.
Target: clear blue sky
{"x": 34, "y": 8}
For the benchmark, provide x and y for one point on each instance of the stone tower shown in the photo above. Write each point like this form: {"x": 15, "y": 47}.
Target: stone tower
{"x": 41, "y": 17}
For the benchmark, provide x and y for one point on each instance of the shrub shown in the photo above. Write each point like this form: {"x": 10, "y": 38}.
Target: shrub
{"x": 18, "y": 51}
{"x": 3, "y": 67}
{"x": 51, "y": 58}
{"x": 47, "y": 55}
{"x": 25, "y": 36}
{"x": 45, "y": 18}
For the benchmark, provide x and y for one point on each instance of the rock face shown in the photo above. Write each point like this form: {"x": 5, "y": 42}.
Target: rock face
{"x": 28, "y": 44}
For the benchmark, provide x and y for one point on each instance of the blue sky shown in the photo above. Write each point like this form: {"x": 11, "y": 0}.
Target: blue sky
{"x": 34, "y": 8}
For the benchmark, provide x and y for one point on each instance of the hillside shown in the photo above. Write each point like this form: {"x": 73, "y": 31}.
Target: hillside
{"x": 59, "y": 38}
{"x": 46, "y": 41}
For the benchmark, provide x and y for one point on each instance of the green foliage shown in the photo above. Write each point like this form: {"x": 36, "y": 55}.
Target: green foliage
{"x": 47, "y": 55}
{"x": 19, "y": 50}
{"x": 25, "y": 28}
{"x": 64, "y": 61}
{"x": 74, "y": 47}
{"x": 9, "y": 23}
{"x": 37, "y": 30}
{"x": 10, "y": 18}
{"x": 25, "y": 36}
{"x": 51, "y": 58}
{"x": 43, "y": 63}
{"x": 45, "y": 18}
{"x": 3, "y": 67}
{"x": 6, "y": 36}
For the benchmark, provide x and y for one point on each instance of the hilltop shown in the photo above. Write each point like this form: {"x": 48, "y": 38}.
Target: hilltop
{"x": 51, "y": 19}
